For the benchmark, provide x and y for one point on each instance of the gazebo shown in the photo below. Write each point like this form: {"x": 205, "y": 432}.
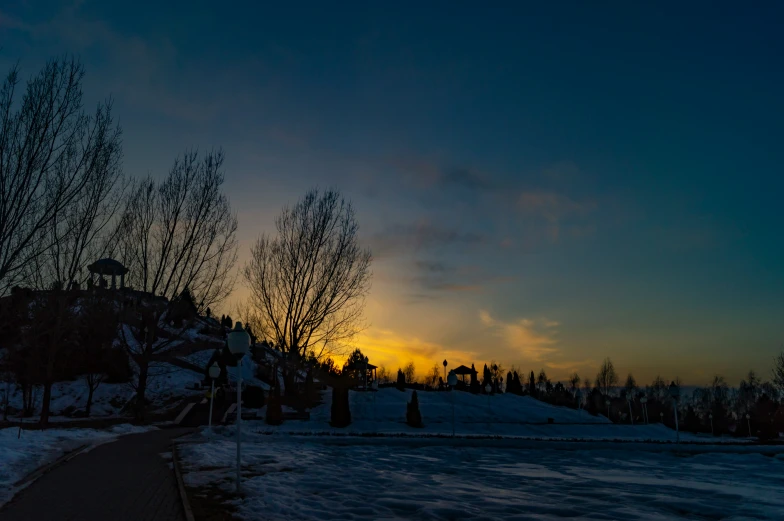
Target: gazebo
{"x": 464, "y": 371}
{"x": 358, "y": 368}
{"x": 108, "y": 267}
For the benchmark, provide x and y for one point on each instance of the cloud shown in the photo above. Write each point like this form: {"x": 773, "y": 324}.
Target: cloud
{"x": 422, "y": 235}
{"x": 392, "y": 349}
{"x": 462, "y": 177}
{"x": 534, "y": 339}
{"x": 141, "y": 71}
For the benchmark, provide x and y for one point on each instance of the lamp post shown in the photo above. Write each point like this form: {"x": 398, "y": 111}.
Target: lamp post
{"x": 374, "y": 386}
{"x": 488, "y": 388}
{"x": 578, "y": 395}
{"x": 607, "y": 403}
{"x": 366, "y": 366}
{"x": 452, "y": 381}
{"x": 238, "y": 341}
{"x": 445, "y": 377}
{"x": 748, "y": 421}
{"x": 214, "y": 372}
{"x": 644, "y": 402}
{"x": 661, "y": 417}
{"x": 675, "y": 393}
{"x": 711, "y": 420}
{"x": 629, "y": 400}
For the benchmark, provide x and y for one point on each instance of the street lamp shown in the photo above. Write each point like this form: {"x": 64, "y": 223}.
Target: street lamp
{"x": 675, "y": 393}
{"x": 214, "y": 372}
{"x": 607, "y": 403}
{"x": 748, "y": 420}
{"x": 631, "y": 414}
{"x": 239, "y": 341}
{"x": 644, "y": 402}
{"x": 452, "y": 381}
{"x": 374, "y": 386}
{"x": 578, "y": 395}
{"x": 711, "y": 420}
{"x": 366, "y": 371}
{"x": 445, "y": 377}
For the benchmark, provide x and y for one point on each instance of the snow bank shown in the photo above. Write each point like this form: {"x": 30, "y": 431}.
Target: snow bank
{"x": 22, "y": 453}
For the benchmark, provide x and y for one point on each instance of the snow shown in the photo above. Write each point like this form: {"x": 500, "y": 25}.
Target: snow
{"x": 289, "y": 478}
{"x": 504, "y": 415}
{"x": 22, "y": 453}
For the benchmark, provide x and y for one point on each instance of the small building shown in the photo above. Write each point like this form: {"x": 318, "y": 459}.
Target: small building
{"x": 104, "y": 268}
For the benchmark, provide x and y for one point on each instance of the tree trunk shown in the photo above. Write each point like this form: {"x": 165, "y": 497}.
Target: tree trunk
{"x": 141, "y": 388}
{"x": 45, "y": 404}
{"x": 90, "y": 391}
{"x": 7, "y": 399}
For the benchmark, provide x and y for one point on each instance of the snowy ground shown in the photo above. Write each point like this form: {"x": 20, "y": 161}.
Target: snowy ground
{"x": 166, "y": 382}
{"x": 23, "y": 452}
{"x": 289, "y": 478}
{"x": 506, "y": 415}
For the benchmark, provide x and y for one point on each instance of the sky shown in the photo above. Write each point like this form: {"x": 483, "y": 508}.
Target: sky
{"x": 541, "y": 184}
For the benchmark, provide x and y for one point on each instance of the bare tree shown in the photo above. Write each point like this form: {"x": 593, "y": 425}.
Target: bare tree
{"x": 606, "y": 378}
{"x": 631, "y": 385}
{"x": 96, "y": 332}
{"x": 51, "y": 153}
{"x": 574, "y": 382}
{"x": 48, "y": 342}
{"x": 145, "y": 334}
{"x": 409, "y": 372}
{"x": 431, "y": 378}
{"x": 541, "y": 380}
{"x": 308, "y": 283}
{"x": 181, "y": 233}
{"x": 778, "y": 371}
{"x": 383, "y": 375}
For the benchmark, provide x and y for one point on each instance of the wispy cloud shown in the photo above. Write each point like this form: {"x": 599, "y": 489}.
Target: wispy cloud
{"x": 421, "y": 235}
{"x": 534, "y": 339}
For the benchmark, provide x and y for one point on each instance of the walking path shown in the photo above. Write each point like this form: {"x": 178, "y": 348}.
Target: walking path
{"x": 125, "y": 480}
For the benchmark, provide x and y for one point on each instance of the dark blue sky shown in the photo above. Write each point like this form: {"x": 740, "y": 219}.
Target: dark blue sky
{"x": 541, "y": 184}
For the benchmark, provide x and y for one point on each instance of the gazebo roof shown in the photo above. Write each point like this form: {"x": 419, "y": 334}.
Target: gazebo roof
{"x": 107, "y": 267}
{"x": 358, "y": 365}
{"x": 463, "y": 370}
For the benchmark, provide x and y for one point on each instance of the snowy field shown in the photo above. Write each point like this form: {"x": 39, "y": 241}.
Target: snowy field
{"x": 287, "y": 478}
{"x": 22, "y": 453}
{"x": 505, "y": 415}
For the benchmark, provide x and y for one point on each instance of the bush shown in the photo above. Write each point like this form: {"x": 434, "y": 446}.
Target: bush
{"x": 274, "y": 410}
{"x": 118, "y": 367}
{"x": 341, "y": 413}
{"x": 413, "y": 416}
{"x": 253, "y": 397}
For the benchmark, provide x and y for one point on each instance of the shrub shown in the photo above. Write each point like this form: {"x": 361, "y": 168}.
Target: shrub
{"x": 413, "y": 416}
{"x": 253, "y": 397}
{"x": 274, "y": 410}
{"x": 341, "y": 413}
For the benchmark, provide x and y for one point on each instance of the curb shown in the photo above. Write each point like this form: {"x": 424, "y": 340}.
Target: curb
{"x": 40, "y": 471}
{"x": 186, "y": 505}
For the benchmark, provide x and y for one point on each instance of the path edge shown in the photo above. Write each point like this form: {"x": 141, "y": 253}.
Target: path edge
{"x": 40, "y": 471}
{"x": 186, "y": 505}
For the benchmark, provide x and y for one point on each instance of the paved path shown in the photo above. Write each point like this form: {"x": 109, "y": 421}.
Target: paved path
{"x": 125, "y": 480}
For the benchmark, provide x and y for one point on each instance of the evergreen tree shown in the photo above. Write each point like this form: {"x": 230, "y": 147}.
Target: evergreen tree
{"x": 401, "y": 379}
{"x": 340, "y": 412}
{"x": 474, "y": 380}
{"x": 413, "y": 416}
